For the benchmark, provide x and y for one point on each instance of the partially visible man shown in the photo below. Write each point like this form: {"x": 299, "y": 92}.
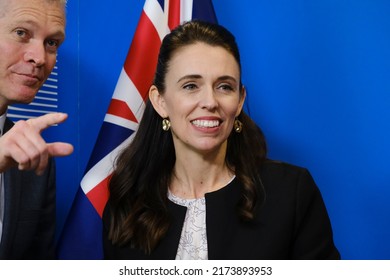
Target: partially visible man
{"x": 30, "y": 33}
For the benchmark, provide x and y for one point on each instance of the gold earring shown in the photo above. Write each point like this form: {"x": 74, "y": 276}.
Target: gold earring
{"x": 166, "y": 124}
{"x": 237, "y": 126}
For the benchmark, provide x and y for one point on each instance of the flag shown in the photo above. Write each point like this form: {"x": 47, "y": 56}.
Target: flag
{"x": 81, "y": 237}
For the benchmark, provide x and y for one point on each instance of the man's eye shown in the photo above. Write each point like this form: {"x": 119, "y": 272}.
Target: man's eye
{"x": 52, "y": 43}
{"x": 20, "y": 32}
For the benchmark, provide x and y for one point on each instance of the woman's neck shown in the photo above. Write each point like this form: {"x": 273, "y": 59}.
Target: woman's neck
{"x": 194, "y": 177}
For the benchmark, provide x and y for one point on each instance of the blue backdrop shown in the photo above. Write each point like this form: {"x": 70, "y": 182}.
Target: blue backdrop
{"x": 318, "y": 79}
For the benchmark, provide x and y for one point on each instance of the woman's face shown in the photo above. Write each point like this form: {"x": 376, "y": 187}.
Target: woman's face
{"x": 202, "y": 97}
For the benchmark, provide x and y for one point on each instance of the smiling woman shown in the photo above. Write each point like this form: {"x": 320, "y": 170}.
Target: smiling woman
{"x": 202, "y": 98}
{"x": 195, "y": 182}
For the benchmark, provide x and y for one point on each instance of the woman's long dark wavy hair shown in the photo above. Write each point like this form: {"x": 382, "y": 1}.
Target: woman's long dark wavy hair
{"x": 138, "y": 188}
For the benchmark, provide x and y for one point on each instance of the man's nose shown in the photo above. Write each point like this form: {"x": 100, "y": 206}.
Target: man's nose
{"x": 35, "y": 53}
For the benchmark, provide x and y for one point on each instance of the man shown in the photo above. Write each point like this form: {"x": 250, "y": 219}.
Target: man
{"x": 30, "y": 33}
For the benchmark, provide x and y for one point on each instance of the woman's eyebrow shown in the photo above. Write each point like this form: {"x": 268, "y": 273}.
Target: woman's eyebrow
{"x": 190, "y": 77}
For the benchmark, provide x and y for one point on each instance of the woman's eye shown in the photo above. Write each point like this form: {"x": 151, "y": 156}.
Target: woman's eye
{"x": 226, "y": 87}
{"x": 190, "y": 86}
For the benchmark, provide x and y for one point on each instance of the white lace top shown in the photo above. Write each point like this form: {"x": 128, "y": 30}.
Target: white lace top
{"x": 193, "y": 240}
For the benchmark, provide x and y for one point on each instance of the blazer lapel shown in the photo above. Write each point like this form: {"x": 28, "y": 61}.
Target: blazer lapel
{"x": 221, "y": 220}
{"x": 167, "y": 248}
{"x": 11, "y": 208}
{"x": 11, "y": 205}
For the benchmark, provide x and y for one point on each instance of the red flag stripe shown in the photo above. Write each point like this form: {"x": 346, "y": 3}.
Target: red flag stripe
{"x": 119, "y": 108}
{"x": 141, "y": 60}
{"x": 174, "y": 14}
{"x": 98, "y": 196}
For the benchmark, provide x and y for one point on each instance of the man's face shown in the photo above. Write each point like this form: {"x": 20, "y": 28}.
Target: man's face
{"x": 30, "y": 33}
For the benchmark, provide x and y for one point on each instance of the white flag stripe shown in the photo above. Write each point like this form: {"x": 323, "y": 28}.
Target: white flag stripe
{"x": 103, "y": 168}
{"x": 120, "y": 122}
{"x": 126, "y": 91}
{"x": 155, "y": 13}
{"x": 185, "y": 10}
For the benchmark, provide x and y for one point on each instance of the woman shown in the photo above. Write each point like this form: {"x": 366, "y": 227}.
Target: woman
{"x": 195, "y": 182}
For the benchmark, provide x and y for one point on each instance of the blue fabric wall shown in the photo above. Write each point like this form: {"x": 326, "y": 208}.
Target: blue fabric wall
{"x": 318, "y": 79}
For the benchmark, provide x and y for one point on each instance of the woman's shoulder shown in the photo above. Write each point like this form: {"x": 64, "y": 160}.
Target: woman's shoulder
{"x": 279, "y": 174}
{"x": 281, "y": 168}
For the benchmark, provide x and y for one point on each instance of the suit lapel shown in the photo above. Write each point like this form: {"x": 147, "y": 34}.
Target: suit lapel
{"x": 11, "y": 208}
{"x": 11, "y": 204}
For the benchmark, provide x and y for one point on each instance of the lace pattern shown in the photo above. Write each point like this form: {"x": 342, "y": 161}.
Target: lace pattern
{"x": 193, "y": 240}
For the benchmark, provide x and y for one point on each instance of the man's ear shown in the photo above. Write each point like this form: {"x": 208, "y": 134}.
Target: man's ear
{"x": 157, "y": 101}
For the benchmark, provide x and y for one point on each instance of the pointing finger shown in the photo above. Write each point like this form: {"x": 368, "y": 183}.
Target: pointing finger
{"x": 59, "y": 149}
{"x": 45, "y": 121}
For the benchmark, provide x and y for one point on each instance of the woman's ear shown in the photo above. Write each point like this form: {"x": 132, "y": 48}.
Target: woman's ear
{"x": 241, "y": 101}
{"x": 157, "y": 101}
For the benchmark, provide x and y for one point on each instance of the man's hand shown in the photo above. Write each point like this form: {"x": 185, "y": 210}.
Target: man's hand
{"x": 23, "y": 145}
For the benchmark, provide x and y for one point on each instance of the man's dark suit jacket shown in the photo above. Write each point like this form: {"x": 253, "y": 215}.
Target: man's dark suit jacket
{"x": 29, "y": 213}
{"x": 292, "y": 224}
